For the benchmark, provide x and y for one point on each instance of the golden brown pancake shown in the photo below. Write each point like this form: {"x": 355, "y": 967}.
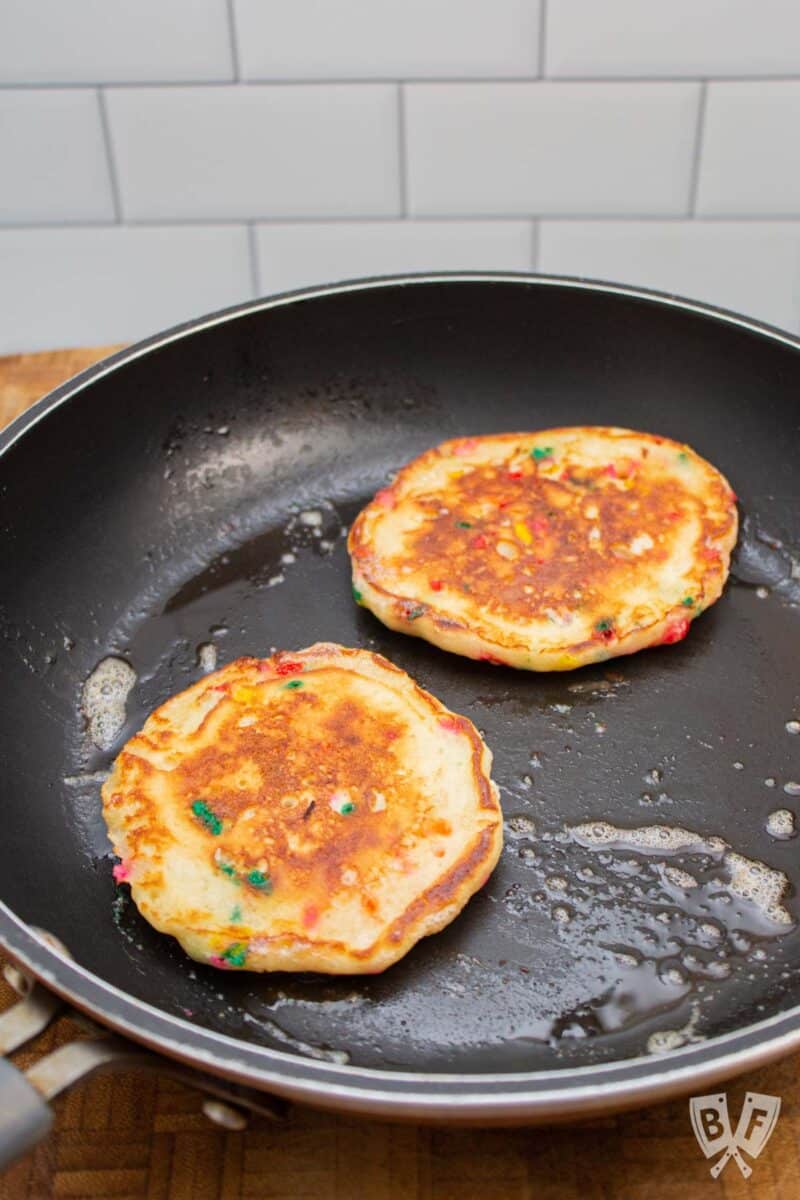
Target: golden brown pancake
{"x": 547, "y": 550}
{"x": 313, "y": 811}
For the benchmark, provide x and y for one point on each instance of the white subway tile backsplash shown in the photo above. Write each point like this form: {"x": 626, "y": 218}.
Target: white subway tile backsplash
{"x": 674, "y": 38}
{"x": 574, "y": 148}
{"x": 105, "y": 41}
{"x": 752, "y": 267}
{"x": 53, "y": 158}
{"x": 228, "y": 152}
{"x": 292, "y": 256}
{"x": 750, "y": 162}
{"x": 387, "y": 38}
{"x": 69, "y": 287}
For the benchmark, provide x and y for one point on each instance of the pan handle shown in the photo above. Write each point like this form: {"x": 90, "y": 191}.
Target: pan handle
{"x": 25, "y": 1116}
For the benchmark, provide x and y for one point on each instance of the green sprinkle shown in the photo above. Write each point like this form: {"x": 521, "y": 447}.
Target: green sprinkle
{"x": 235, "y": 954}
{"x": 357, "y": 595}
{"x": 294, "y": 683}
{"x": 688, "y": 601}
{"x": 347, "y": 808}
{"x": 464, "y": 524}
{"x": 228, "y": 869}
{"x": 258, "y": 879}
{"x": 235, "y": 916}
{"x": 413, "y": 613}
{"x": 683, "y": 456}
{"x": 206, "y": 817}
{"x": 540, "y": 452}
{"x": 603, "y": 625}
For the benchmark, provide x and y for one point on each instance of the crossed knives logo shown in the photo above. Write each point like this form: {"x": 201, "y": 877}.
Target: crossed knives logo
{"x": 712, "y": 1128}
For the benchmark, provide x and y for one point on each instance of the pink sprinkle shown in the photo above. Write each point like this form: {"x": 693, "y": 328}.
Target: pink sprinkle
{"x": 538, "y": 524}
{"x": 461, "y": 449}
{"x": 611, "y": 470}
{"x": 310, "y": 916}
{"x": 479, "y": 542}
{"x": 451, "y": 724}
{"x": 385, "y": 498}
{"x": 676, "y": 631}
{"x": 188, "y": 1012}
{"x": 122, "y": 871}
{"x": 491, "y": 658}
{"x": 219, "y": 963}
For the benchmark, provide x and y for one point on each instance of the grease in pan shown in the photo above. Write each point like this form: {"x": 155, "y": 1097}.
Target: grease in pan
{"x": 549, "y": 550}
{"x": 311, "y": 811}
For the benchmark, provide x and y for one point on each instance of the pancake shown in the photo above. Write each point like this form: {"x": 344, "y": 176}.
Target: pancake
{"x": 547, "y": 551}
{"x": 313, "y": 811}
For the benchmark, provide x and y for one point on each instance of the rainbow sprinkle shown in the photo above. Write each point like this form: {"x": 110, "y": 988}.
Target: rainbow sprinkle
{"x": 258, "y": 879}
{"x": 206, "y": 817}
{"x": 235, "y": 954}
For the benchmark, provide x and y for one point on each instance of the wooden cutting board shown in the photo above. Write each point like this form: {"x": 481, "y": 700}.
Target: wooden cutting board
{"x": 133, "y": 1137}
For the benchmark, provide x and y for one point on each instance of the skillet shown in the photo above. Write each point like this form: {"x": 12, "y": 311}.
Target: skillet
{"x": 155, "y": 504}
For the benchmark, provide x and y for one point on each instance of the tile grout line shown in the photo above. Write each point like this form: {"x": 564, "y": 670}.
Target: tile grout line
{"x": 542, "y": 38}
{"x": 234, "y": 41}
{"x": 111, "y": 164}
{"x": 402, "y": 150}
{"x": 710, "y": 219}
{"x": 387, "y": 80}
{"x": 699, "y": 138}
{"x": 255, "y": 270}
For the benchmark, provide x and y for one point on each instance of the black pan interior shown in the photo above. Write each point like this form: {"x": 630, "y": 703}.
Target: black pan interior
{"x": 150, "y": 514}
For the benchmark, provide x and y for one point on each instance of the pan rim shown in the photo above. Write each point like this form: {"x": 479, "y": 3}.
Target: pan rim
{"x": 557, "y": 1091}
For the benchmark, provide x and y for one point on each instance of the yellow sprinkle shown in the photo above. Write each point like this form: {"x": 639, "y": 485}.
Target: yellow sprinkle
{"x": 523, "y": 533}
{"x": 243, "y": 694}
{"x": 566, "y": 662}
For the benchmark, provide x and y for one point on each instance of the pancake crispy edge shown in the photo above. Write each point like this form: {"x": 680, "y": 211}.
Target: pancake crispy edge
{"x": 547, "y": 550}
{"x": 313, "y": 811}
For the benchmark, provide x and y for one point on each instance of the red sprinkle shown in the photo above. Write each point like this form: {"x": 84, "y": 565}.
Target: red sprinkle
{"x": 711, "y": 555}
{"x": 465, "y": 447}
{"x": 288, "y": 668}
{"x": 435, "y": 585}
{"x": 603, "y": 635}
{"x": 219, "y": 963}
{"x": 310, "y": 916}
{"x": 491, "y": 658}
{"x": 733, "y": 497}
{"x": 676, "y": 631}
{"x": 221, "y": 687}
{"x": 386, "y": 498}
{"x": 451, "y": 724}
{"x": 515, "y": 473}
{"x": 504, "y": 503}
{"x": 538, "y": 524}
{"x": 611, "y": 470}
{"x": 122, "y": 871}
{"x": 479, "y": 542}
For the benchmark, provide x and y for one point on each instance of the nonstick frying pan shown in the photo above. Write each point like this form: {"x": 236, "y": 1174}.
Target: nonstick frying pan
{"x": 156, "y": 503}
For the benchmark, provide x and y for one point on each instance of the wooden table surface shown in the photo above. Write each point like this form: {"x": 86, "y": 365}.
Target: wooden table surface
{"x": 133, "y": 1137}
